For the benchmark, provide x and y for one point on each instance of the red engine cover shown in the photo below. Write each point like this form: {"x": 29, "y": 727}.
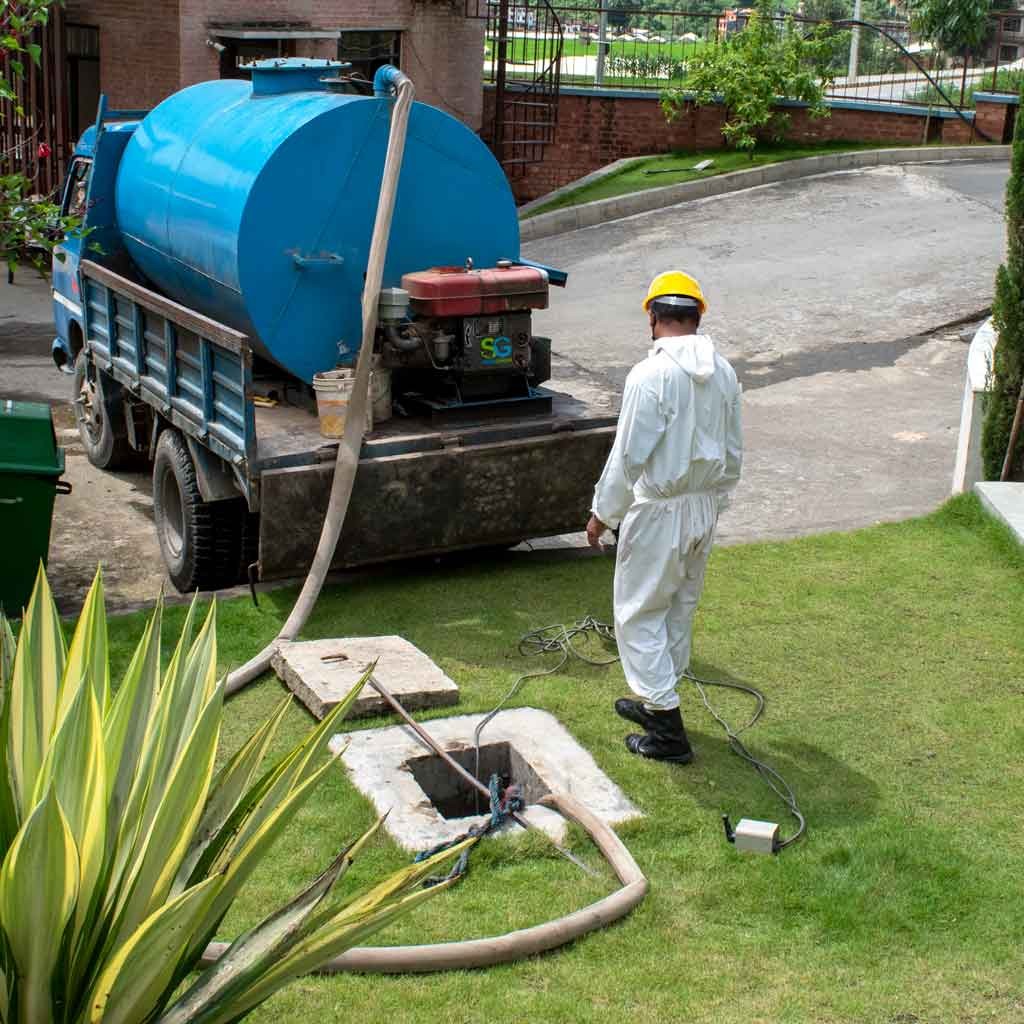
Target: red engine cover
{"x": 454, "y": 291}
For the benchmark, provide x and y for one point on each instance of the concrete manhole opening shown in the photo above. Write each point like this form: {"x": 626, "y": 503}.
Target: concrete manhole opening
{"x": 455, "y": 798}
{"x": 426, "y": 803}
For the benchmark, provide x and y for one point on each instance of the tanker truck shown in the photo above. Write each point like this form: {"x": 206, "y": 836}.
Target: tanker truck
{"x": 221, "y": 276}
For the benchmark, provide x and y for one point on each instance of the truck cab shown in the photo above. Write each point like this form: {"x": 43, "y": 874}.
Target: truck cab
{"x": 88, "y": 193}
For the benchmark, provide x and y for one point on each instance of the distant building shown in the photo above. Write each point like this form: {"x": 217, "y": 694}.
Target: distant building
{"x": 732, "y": 20}
{"x": 1007, "y": 45}
{"x": 140, "y": 53}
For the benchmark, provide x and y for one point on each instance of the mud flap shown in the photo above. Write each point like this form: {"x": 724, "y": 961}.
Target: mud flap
{"x": 431, "y": 502}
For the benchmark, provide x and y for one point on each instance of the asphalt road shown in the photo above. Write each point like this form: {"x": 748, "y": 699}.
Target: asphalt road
{"x": 824, "y": 292}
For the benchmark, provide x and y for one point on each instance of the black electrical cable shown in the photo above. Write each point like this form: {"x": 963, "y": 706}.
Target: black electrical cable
{"x": 785, "y": 794}
{"x": 547, "y": 640}
{"x": 560, "y": 639}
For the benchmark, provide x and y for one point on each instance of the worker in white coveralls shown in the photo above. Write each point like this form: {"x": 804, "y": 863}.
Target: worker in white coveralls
{"x": 676, "y": 457}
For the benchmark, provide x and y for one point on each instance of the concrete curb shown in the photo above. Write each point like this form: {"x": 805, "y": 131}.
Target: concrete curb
{"x": 603, "y": 210}
{"x": 587, "y": 179}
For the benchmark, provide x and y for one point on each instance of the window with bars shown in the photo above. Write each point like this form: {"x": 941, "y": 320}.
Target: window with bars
{"x": 239, "y": 52}
{"x": 368, "y": 49}
{"x": 82, "y": 43}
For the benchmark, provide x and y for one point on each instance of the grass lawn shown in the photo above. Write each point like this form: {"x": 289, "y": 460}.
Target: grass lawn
{"x": 894, "y": 670}
{"x": 677, "y": 167}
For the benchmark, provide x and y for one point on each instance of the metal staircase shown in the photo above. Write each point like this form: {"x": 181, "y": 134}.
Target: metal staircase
{"x": 524, "y": 60}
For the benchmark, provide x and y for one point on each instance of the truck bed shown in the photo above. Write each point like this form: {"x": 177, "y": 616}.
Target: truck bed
{"x": 422, "y": 488}
{"x": 289, "y": 435}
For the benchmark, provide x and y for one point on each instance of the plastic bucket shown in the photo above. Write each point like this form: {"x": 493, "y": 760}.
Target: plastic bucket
{"x": 333, "y": 393}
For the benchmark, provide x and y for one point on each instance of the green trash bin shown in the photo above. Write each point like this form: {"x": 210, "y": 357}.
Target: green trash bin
{"x": 30, "y": 465}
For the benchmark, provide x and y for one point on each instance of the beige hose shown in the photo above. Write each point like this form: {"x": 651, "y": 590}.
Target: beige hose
{"x": 452, "y": 956}
{"x": 352, "y": 440}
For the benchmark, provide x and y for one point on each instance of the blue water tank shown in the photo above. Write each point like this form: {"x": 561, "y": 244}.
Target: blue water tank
{"x": 253, "y": 202}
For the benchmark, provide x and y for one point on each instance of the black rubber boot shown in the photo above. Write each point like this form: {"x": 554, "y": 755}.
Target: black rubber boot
{"x": 664, "y": 738}
{"x": 634, "y": 711}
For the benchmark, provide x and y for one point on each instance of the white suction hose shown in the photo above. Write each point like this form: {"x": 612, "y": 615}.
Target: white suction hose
{"x": 355, "y": 421}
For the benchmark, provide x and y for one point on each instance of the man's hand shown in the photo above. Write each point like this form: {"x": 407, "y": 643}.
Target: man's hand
{"x": 595, "y": 530}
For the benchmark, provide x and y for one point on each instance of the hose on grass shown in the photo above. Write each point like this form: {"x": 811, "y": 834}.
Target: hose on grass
{"x": 560, "y": 639}
{"x": 350, "y": 445}
{"x": 516, "y": 945}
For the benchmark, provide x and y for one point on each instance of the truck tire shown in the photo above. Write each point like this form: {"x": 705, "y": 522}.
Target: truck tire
{"x": 103, "y": 431}
{"x": 250, "y": 540}
{"x": 201, "y": 541}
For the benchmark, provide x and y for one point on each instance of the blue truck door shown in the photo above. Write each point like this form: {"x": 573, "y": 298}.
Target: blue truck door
{"x": 67, "y": 299}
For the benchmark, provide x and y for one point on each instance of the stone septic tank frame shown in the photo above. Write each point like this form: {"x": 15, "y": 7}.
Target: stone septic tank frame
{"x": 427, "y": 804}
{"x": 525, "y": 942}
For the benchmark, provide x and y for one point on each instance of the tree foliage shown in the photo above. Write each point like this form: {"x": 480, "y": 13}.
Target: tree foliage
{"x": 960, "y": 27}
{"x": 1008, "y": 320}
{"x": 29, "y": 223}
{"x": 18, "y": 20}
{"x": 750, "y": 71}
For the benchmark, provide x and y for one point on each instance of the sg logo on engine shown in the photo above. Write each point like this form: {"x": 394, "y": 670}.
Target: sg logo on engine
{"x": 496, "y": 351}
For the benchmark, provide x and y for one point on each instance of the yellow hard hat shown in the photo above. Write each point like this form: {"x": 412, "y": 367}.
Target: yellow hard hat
{"x": 675, "y": 282}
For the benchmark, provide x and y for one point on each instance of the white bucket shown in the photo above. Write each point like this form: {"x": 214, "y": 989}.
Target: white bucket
{"x": 333, "y": 393}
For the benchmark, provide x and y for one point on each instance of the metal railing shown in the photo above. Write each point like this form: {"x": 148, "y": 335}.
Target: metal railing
{"x": 34, "y": 133}
{"x": 524, "y": 117}
{"x": 636, "y": 48}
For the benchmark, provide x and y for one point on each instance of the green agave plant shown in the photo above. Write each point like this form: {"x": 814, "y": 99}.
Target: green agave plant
{"x": 123, "y": 848}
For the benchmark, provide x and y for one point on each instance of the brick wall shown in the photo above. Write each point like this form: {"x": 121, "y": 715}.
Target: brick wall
{"x": 139, "y": 47}
{"x": 149, "y": 51}
{"x": 595, "y": 130}
{"x": 443, "y": 54}
{"x": 996, "y": 117}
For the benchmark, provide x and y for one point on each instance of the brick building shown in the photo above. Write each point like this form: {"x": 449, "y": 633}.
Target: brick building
{"x": 140, "y": 53}
{"x": 1007, "y": 42}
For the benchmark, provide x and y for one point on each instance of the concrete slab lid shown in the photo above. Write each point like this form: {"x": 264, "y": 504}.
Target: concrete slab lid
{"x": 401, "y": 667}
{"x": 376, "y": 761}
{"x": 1004, "y": 499}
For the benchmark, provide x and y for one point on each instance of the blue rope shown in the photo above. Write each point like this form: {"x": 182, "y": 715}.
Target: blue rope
{"x": 502, "y": 805}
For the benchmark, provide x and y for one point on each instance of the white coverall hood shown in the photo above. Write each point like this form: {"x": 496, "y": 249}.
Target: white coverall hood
{"x": 695, "y": 353}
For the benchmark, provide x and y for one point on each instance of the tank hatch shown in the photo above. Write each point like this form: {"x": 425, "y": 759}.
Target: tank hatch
{"x": 291, "y": 74}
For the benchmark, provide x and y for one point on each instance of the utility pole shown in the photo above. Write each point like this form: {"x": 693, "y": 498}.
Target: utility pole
{"x": 854, "y": 44}
{"x": 602, "y": 32}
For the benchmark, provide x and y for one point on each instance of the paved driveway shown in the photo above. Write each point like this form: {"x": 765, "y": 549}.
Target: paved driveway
{"x": 825, "y": 293}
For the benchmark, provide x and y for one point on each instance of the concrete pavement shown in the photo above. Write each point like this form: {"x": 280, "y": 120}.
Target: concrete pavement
{"x": 600, "y": 211}
{"x": 825, "y": 294}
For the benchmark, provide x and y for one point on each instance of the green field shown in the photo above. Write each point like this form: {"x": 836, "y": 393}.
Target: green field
{"x": 894, "y": 671}
{"x": 630, "y": 63}
{"x": 525, "y": 50}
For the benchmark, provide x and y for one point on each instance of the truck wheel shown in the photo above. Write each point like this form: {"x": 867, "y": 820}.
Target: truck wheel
{"x": 237, "y": 538}
{"x": 104, "y": 436}
{"x": 200, "y": 540}
{"x": 250, "y": 541}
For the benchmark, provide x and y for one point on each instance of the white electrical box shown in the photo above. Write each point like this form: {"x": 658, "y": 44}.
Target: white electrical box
{"x": 752, "y": 836}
